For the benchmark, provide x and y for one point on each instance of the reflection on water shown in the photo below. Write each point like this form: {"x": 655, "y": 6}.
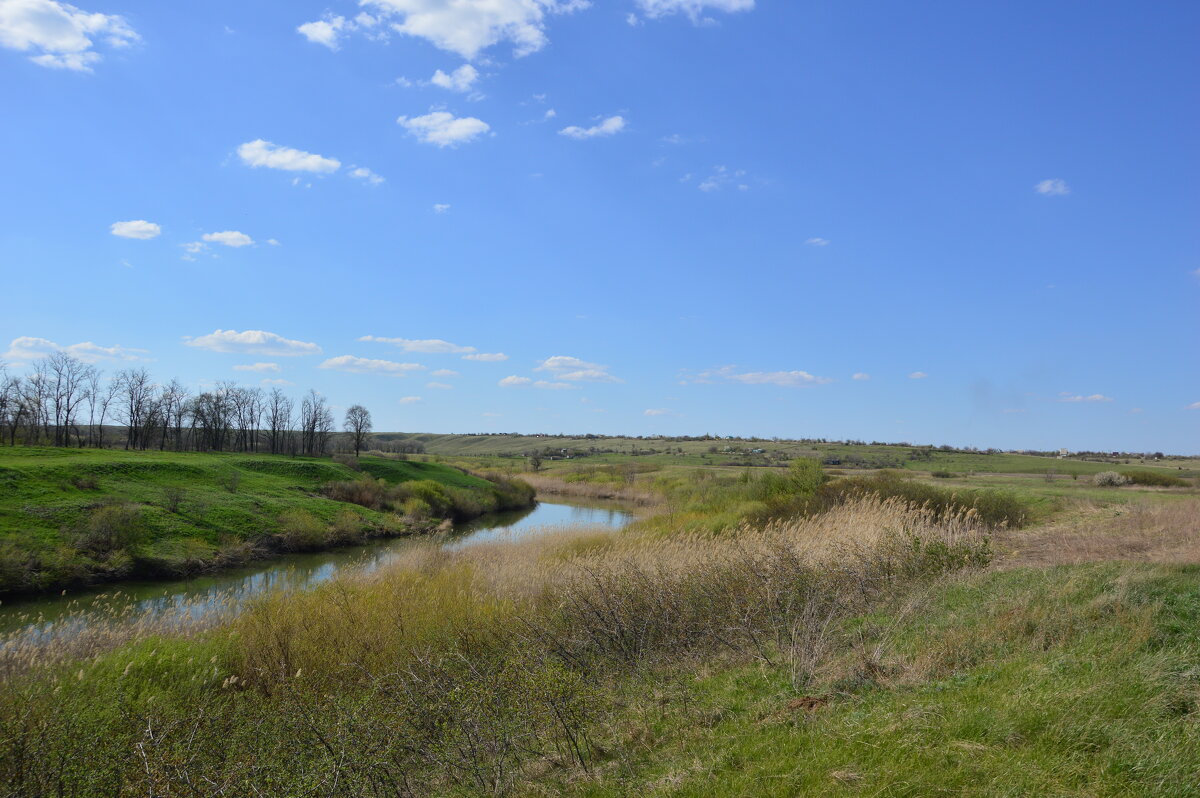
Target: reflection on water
{"x": 193, "y": 601}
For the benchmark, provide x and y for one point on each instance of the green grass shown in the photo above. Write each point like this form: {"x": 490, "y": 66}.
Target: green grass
{"x": 696, "y": 453}
{"x": 1074, "y": 681}
{"x": 192, "y": 510}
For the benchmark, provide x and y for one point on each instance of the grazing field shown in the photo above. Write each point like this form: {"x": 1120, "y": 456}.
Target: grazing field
{"x": 76, "y": 516}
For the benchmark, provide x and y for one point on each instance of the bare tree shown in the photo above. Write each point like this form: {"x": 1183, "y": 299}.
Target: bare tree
{"x": 137, "y": 399}
{"x": 279, "y": 421}
{"x": 358, "y": 424}
{"x": 316, "y": 424}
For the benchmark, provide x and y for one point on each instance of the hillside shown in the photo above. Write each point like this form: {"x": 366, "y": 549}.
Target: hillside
{"x": 72, "y": 516}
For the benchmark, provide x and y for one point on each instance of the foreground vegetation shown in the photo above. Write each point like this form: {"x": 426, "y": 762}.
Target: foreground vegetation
{"x": 78, "y": 516}
{"x": 873, "y": 649}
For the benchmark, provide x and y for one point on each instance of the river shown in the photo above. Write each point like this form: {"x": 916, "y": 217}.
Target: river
{"x": 193, "y": 599}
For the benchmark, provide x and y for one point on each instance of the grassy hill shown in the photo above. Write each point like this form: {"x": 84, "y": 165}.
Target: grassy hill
{"x": 70, "y": 516}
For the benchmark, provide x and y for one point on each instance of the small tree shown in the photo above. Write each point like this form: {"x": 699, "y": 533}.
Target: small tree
{"x": 358, "y": 424}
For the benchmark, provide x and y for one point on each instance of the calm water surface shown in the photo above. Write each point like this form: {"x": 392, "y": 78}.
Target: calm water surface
{"x": 194, "y": 598}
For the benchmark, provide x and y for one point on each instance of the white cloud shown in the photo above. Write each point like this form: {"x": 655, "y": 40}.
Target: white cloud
{"x": 1096, "y": 397}
{"x": 443, "y": 373}
{"x": 607, "y": 127}
{"x": 544, "y": 385}
{"x": 721, "y": 177}
{"x": 60, "y": 36}
{"x": 138, "y": 228}
{"x": 547, "y": 385}
{"x": 272, "y": 368}
{"x": 514, "y": 381}
{"x": 440, "y": 207}
{"x": 428, "y": 346}
{"x": 325, "y": 31}
{"x": 272, "y": 242}
{"x": 363, "y": 365}
{"x": 1053, "y": 187}
{"x": 658, "y": 411}
{"x": 467, "y": 27}
{"x": 1194, "y": 406}
{"x": 30, "y": 348}
{"x": 408, "y": 400}
{"x": 366, "y": 175}
{"x": 230, "y": 238}
{"x": 461, "y": 79}
{"x": 439, "y": 386}
{"x": 693, "y": 9}
{"x": 787, "y": 379}
{"x": 486, "y": 357}
{"x": 259, "y": 153}
{"x": 817, "y": 242}
{"x": 444, "y": 129}
{"x": 252, "y": 342}
{"x": 917, "y": 375}
{"x": 861, "y": 375}
{"x": 564, "y": 367}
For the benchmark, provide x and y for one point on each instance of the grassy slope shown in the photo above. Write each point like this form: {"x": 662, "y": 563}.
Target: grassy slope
{"x": 1077, "y": 680}
{"x": 46, "y": 493}
{"x": 696, "y": 453}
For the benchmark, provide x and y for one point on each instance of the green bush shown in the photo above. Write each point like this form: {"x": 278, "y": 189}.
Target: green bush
{"x": 1154, "y": 478}
{"x": 111, "y": 528}
{"x": 1110, "y": 479}
{"x": 995, "y": 508}
{"x": 300, "y": 530}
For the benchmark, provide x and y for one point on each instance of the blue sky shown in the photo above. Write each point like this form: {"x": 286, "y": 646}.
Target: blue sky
{"x": 939, "y": 222}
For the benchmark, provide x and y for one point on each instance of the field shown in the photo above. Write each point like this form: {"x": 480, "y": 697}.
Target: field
{"x": 73, "y": 516}
{"x": 555, "y": 451}
{"x": 760, "y": 632}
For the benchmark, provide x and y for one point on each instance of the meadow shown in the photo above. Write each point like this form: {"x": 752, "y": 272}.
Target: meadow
{"x": 757, "y": 633}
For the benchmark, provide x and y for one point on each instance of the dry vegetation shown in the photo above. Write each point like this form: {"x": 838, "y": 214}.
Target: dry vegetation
{"x": 1158, "y": 533}
{"x": 456, "y": 671}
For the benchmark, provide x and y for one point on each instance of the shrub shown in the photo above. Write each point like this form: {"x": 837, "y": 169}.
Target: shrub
{"x": 232, "y": 480}
{"x": 111, "y": 528}
{"x": 941, "y": 475}
{"x": 300, "y": 530}
{"x": 347, "y": 529}
{"x": 1110, "y": 479}
{"x": 173, "y": 498}
{"x": 348, "y": 460}
{"x": 85, "y": 482}
{"x": 1154, "y": 478}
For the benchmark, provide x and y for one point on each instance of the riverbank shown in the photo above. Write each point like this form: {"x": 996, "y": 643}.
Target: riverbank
{"x": 73, "y": 517}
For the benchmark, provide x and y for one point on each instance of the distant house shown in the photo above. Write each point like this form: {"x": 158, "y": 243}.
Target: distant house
{"x": 1062, "y": 454}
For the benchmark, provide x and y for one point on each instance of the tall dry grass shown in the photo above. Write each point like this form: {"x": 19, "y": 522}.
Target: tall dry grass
{"x": 1162, "y": 533}
{"x": 632, "y": 493}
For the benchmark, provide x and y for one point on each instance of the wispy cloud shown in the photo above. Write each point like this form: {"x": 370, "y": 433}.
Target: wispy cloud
{"x": 1053, "y": 187}
{"x": 787, "y": 379}
{"x": 260, "y": 367}
{"x": 428, "y": 346}
{"x": 861, "y": 376}
{"x": 138, "y": 228}
{"x": 366, "y": 175}
{"x": 32, "y": 348}
{"x": 363, "y": 365}
{"x": 461, "y": 79}
{"x": 263, "y": 154}
{"x": 1066, "y": 396}
{"x": 486, "y": 357}
{"x": 606, "y": 127}
{"x": 565, "y": 367}
{"x": 252, "y": 342}
{"x": 817, "y": 242}
{"x": 917, "y": 375}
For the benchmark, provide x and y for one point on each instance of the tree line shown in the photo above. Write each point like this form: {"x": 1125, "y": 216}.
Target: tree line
{"x": 62, "y": 401}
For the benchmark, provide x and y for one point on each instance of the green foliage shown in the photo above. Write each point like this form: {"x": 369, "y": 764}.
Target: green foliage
{"x": 1154, "y": 478}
